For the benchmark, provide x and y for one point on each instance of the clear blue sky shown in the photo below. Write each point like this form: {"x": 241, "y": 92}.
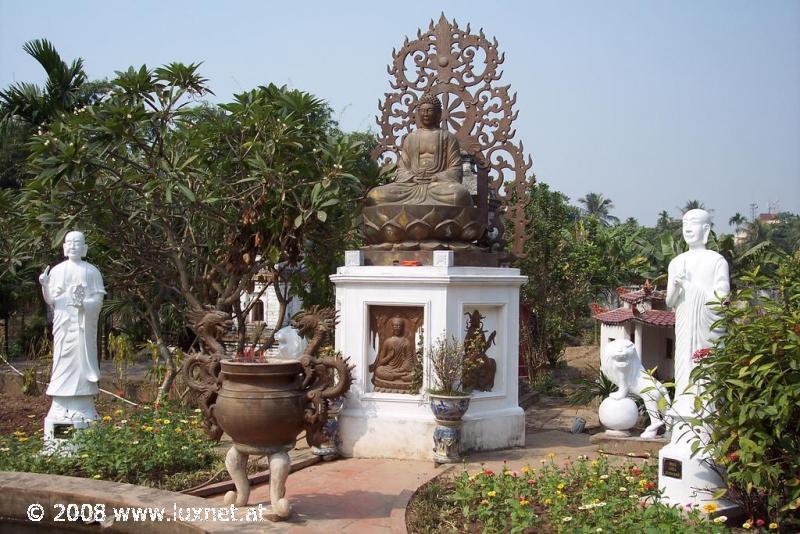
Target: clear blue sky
{"x": 651, "y": 103}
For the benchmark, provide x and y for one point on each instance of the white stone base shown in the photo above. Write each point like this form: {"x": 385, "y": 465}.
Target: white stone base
{"x": 393, "y": 425}
{"x": 411, "y": 438}
{"x": 697, "y": 483}
{"x": 73, "y": 412}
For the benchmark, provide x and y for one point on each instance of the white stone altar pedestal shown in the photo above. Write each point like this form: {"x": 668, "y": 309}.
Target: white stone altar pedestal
{"x": 67, "y": 415}
{"x": 393, "y": 425}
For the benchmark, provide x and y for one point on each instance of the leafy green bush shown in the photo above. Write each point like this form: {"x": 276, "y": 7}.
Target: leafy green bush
{"x": 596, "y": 385}
{"x": 752, "y": 378}
{"x": 147, "y": 446}
{"x": 581, "y": 497}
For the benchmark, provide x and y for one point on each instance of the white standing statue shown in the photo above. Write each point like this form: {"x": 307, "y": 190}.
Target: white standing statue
{"x": 74, "y": 290}
{"x": 696, "y": 278}
{"x": 621, "y": 363}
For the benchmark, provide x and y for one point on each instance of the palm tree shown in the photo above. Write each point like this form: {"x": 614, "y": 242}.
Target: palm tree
{"x": 694, "y": 205}
{"x": 737, "y": 220}
{"x": 664, "y": 220}
{"x": 61, "y": 92}
{"x": 594, "y": 205}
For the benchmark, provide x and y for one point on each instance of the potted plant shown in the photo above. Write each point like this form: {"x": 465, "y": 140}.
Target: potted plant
{"x": 448, "y": 397}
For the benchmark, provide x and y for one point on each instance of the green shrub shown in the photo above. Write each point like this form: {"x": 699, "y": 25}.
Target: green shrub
{"x": 581, "y": 497}
{"x": 146, "y": 446}
{"x": 752, "y": 378}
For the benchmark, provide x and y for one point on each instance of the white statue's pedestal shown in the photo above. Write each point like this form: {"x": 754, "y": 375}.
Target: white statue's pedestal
{"x": 392, "y": 425}
{"x": 684, "y": 479}
{"x": 66, "y": 415}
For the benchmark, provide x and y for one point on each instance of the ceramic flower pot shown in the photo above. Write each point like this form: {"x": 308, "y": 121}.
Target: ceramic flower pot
{"x": 448, "y": 411}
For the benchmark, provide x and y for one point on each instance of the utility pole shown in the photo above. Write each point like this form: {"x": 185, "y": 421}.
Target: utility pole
{"x": 753, "y": 208}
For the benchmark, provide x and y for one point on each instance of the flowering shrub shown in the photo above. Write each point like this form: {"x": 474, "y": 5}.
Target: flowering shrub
{"x": 146, "y": 446}
{"x": 752, "y": 381}
{"x": 584, "y": 496}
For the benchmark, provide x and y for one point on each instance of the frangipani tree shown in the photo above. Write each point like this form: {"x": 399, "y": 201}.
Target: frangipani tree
{"x": 187, "y": 202}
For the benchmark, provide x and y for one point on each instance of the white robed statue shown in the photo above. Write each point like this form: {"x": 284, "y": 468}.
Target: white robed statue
{"x": 696, "y": 278}
{"x": 74, "y": 290}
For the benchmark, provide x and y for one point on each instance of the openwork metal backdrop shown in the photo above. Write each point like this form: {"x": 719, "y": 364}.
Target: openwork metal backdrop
{"x": 460, "y": 68}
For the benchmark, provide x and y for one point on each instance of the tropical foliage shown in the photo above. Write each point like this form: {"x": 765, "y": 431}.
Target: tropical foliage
{"x": 185, "y": 204}
{"x": 752, "y": 378}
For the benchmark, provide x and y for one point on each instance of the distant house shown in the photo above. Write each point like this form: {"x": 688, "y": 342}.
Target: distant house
{"x": 266, "y": 308}
{"x": 645, "y": 321}
{"x": 768, "y": 218}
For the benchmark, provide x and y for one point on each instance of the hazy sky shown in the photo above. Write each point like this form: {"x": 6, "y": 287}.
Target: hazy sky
{"x": 649, "y": 103}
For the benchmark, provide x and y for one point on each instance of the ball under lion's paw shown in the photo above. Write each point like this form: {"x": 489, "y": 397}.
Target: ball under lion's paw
{"x": 618, "y": 415}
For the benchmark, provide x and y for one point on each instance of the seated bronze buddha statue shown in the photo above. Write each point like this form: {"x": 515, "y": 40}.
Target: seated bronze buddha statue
{"x": 429, "y": 168}
{"x": 426, "y": 207}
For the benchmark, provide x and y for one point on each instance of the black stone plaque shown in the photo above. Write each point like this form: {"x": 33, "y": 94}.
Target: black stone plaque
{"x": 62, "y": 431}
{"x": 671, "y": 468}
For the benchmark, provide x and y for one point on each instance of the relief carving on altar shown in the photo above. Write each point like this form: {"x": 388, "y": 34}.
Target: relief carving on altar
{"x": 394, "y": 332}
{"x": 479, "y": 369}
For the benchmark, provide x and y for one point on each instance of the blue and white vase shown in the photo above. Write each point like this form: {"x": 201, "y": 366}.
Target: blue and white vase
{"x": 448, "y": 411}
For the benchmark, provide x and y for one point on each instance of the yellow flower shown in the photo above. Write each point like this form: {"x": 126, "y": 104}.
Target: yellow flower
{"x": 178, "y": 430}
{"x": 551, "y": 455}
{"x": 548, "y": 502}
{"x": 523, "y": 502}
{"x": 567, "y": 519}
{"x": 22, "y": 439}
{"x": 594, "y": 463}
{"x": 560, "y": 485}
{"x": 119, "y": 412}
{"x": 158, "y": 421}
{"x": 747, "y": 524}
{"x": 525, "y": 470}
{"x": 720, "y": 519}
{"x": 710, "y": 508}
{"x": 106, "y": 418}
{"x": 147, "y": 428}
{"x": 492, "y": 493}
{"x": 96, "y": 476}
{"x": 19, "y": 434}
{"x": 773, "y": 526}
{"x": 165, "y": 421}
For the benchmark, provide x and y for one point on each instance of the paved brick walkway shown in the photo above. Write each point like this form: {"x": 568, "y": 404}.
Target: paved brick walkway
{"x": 349, "y": 495}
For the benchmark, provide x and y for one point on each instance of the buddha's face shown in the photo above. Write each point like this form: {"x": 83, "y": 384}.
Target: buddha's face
{"x": 74, "y": 245}
{"x": 397, "y": 327}
{"x": 429, "y": 116}
{"x": 695, "y": 228}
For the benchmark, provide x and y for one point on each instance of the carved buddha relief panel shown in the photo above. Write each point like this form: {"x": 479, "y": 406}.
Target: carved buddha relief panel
{"x": 394, "y": 334}
{"x": 480, "y": 340}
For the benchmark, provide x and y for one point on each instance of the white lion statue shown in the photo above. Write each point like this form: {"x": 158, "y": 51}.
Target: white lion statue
{"x": 290, "y": 343}
{"x": 621, "y": 363}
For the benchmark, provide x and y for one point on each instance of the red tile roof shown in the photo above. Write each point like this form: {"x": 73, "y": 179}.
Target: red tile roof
{"x": 651, "y": 317}
{"x": 635, "y": 297}
{"x": 658, "y": 318}
{"x": 618, "y": 316}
